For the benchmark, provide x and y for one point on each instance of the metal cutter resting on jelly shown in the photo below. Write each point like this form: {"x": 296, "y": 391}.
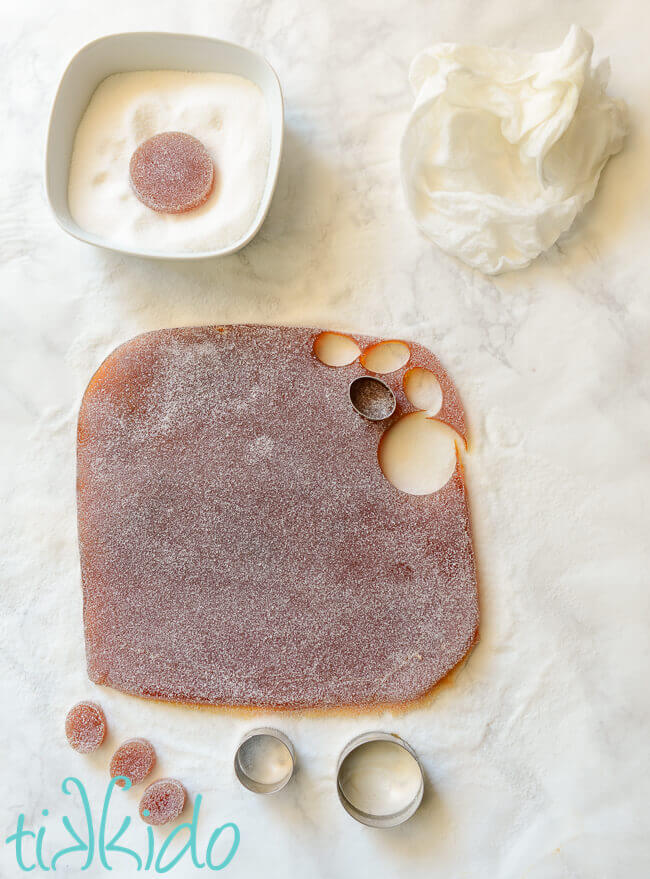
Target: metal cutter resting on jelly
{"x": 248, "y": 537}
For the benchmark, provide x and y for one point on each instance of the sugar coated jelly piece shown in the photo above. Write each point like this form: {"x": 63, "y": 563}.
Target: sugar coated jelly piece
{"x": 163, "y": 801}
{"x": 85, "y": 727}
{"x": 134, "y": 759}
{"x": 386, "y": 357}
{"x": 172, "y": 173}
{"x": 336, "y": 349}
{"x": 423, "y": 390}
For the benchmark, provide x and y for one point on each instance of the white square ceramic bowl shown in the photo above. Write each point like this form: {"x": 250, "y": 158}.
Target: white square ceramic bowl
{"x": 120, "y": 53}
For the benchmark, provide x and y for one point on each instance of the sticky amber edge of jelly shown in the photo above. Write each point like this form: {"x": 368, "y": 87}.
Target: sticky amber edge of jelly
{"x": 343, "y": 709}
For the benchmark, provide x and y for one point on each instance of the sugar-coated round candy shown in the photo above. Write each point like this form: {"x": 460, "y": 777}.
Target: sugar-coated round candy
{"x": 172, "y": 172}
{"x": 163, "y": 801}
{"x": 85, "y": 727}
{"x": 134, "y": 759}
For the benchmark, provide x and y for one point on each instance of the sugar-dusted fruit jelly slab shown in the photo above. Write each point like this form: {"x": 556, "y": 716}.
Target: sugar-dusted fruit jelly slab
{"x": 240, "y": 543}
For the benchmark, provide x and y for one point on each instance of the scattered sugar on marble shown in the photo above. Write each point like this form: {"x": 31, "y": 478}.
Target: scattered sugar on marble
{"x": 162, "y": 802}
{"x": 85, "y": 727}
{"x": 239, "y": 543}
{"x": 134, "y": 759}
{"x": 172, "y": 172}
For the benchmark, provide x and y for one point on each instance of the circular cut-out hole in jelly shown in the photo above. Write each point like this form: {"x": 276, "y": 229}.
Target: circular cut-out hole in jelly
{"x": 264, "y": 761}
{"x": 379, "y": 780}
{"x": 162, "y": 802}
{"x": 372, "y": 398}
{"x": 386, "y": 357}
{"x": 134, "y": 759}
{"x": 417, "y": 454}
{"x": 336, "y": 349}
{"x": 172, "y": 173}
{"x": 85, "y": 727}
{"x": 423, "y": 390}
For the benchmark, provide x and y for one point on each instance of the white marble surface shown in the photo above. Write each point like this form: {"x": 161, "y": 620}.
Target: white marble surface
{"x": 536, "y": 755}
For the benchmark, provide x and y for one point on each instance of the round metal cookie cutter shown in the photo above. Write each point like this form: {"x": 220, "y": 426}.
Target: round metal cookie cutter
{"x": 379, "y": 779}
{"x": 264, "y": 760}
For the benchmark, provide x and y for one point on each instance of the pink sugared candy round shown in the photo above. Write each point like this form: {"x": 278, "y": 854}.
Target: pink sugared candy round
{"x": 172, "y": 173}
{"x": 134, "y": 759}
{"x": 85, "y": 727}
{"x": 163, "y": 801}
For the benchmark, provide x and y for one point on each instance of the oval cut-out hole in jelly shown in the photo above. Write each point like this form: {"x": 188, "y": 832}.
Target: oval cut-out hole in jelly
{"x": 336, "y": 349}
{"x": 172, "y": 173}
{"x": 418, "y": 454}
{"x": 372, "y": 398}
{"x": 423, "y": 390}
{"x": 386, "y": 357}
